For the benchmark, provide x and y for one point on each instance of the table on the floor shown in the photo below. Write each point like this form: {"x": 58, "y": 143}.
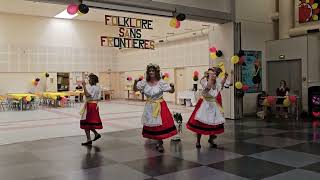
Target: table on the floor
{"x": 19, "y": 97}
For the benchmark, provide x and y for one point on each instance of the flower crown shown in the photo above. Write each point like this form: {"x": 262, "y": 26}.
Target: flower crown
{"x": 155, "y": 66}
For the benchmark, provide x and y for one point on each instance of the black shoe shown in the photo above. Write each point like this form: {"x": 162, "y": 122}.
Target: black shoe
{"x": 97, "y": 137}
{"x": 89, "y": 143}
{"x": 161, "y": 149}
{"x": 213, "y": 145}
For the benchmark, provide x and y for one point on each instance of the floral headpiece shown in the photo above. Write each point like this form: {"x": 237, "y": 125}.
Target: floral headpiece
{"x": 155, "y": 66}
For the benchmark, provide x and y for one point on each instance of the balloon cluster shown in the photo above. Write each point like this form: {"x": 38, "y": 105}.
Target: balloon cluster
{"x": 196, "y": 75}
{"x": 141, "y": 78}
{"x": 27, "y": 99}
{"x": 175, "y": 22}
{"x": 214, "y": 53}
{"x": 129, "y": 78}
{"x": 80, "y": 9}
{"x": 165, "y": 76}
{"x": 36, "y": 81}
{"x": 239, "y": 58}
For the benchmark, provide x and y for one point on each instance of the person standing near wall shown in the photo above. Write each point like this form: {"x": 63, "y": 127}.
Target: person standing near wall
{"x": 157, "y": 120}
{"x": 90, "y": 117}
{"x": 207, "y": 118}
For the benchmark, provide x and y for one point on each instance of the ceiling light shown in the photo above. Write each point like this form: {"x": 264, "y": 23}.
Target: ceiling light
{"x": 65, "y": 15}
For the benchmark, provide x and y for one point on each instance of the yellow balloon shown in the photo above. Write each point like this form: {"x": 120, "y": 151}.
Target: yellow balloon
{"x": 28, "y": 98}
{"x": 166, "y": 79}
{"x": 286, "y": 102}
{"x": 265, "y": 102}
{"x": 213, "y": 56}
{"x": 315, "y": 6}
{"x": 173, "y": 22}
{"x": 315, "y": 17}
{"x": 238, "y": 85}
{"x": 235, "y": 59}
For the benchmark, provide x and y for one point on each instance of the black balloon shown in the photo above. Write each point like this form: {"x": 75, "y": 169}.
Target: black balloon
{"x": 47, "y": 75}
{"x": 181, "y": 17}
{"x": 84, "y": 9}
{"x": 219, "y": 53}
{"x": 241, "y": 53}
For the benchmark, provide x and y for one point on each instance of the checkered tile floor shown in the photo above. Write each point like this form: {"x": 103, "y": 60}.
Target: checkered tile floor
{"x": 249, "y": 149}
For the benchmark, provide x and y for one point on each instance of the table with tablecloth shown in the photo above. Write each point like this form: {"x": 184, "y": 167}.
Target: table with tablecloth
{"x": 187, "y": 96}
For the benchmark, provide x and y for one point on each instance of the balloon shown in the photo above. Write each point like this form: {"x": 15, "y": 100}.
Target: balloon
{"x": 213, "y": 56}
{"x": 166, "y": 79}
{"x": 84, "y": 9}
{"x": 173, "y": 22}
{"x": 265, "y": 102}
{"x": 271, "y": 99}
{"x": 242, "y": 59}
{"x": 79, "y": 13}
{"x": 293, "y": 99}
{"x": 47, "y": 75}
{"x": 195, "y": 78}
{"x": 72, "y": 9}
{"x": 141, "y": 78}
{"x": 28, "y": 99}
{"x": 178, "y": 24}
{"x": 286, "y": 102}
{"x": 181, "y": 17}
{"x": 196, "y": 73}
{"x": 166, "y": 74}
{"x": 34, "y": 81}
{"x": 219, "y": 53}
{"x": 213, "y": 49}
{"x": 245, "y": 87}
{"x": 235, "y": 59}
{"x": 238, "y": 85}
{"x": 241, "y": 53}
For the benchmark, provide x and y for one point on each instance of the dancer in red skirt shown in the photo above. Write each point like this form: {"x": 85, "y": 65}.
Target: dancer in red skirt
{"x": 90, "y": 120}
{"x": 157, "y": 120}
{"x": 207, "y": 118}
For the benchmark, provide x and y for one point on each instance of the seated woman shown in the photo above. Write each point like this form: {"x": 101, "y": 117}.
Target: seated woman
{"x": 282, "y": 91}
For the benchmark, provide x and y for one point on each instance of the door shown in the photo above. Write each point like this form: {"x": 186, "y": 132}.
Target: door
{"x": 288, "y": 70}
{"x": 179, "y": 80}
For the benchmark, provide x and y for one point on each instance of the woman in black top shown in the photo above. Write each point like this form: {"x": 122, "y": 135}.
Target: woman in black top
{"x": 282, "y": 91}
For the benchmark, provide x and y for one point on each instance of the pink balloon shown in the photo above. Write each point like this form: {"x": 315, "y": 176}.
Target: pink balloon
{"x": 196, "y": 73}
{"x": 72, "y": 9}
{"x": 245, "y": 87}
{"x": 293, "y": 99}
{"x": 241, "y": 60}
{"x": 166, "y": 74}
{"x": 271, "y": 99}
{"x": 213, "y": 49}
{"x": 178, "y": 24}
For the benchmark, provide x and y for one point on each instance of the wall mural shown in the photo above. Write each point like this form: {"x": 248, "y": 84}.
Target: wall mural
{"x": 251, "y": 71}
{"x": 309, "y": 10}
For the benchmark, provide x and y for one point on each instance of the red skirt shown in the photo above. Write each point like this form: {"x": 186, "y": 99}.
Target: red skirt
{"x": 92, "y": 120}
{"x": 201, "y": 128}
{"x": 166, "y": 130}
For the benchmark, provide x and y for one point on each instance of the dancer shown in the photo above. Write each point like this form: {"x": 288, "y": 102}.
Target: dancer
{"x": 207, "y": 118}
{"x": 157, "y": 120}
{"x": 90, "y": 118}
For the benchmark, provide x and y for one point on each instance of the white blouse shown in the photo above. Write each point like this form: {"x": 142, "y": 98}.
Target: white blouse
{"x": 95, "y": 93}
{"x": 213, "y": 92}
{"x": 156, "y": 91}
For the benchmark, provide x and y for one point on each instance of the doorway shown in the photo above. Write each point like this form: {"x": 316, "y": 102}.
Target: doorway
{"x": 63, "y": 82}
{"x": 288, "y": 70}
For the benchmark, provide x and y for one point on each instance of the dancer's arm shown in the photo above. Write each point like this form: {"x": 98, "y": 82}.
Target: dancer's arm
{"x": 86, "y": 92}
